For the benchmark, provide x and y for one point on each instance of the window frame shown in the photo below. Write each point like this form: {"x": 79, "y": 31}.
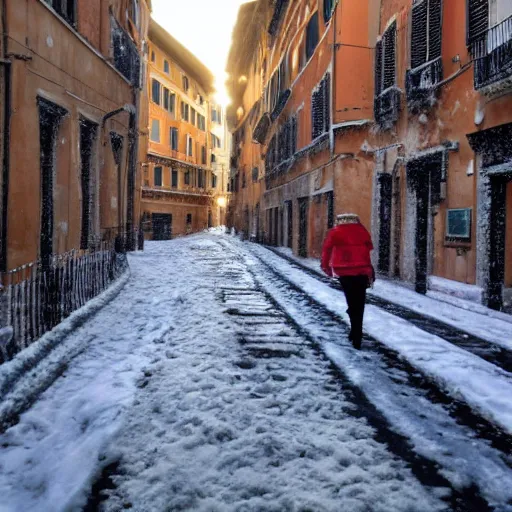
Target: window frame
{"x": 451, "y": 237}
{"x": 154, "y": 82}
{"x": 155, "y": 122}
{"x": 161, "y": 176}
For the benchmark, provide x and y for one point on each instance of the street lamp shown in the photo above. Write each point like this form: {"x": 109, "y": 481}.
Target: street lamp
{"x": 222, "y": 201}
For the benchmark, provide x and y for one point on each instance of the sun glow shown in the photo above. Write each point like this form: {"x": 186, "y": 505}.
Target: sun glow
{"x": 205, "y": 28}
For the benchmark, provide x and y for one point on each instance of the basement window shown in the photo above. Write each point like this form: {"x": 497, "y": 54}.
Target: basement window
{"x": 458, "y": 225}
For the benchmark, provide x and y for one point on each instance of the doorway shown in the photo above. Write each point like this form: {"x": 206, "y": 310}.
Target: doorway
{"x": 50, "y": 117}
{"x": 424, "y": 176}
{"x": 289, "y": 224}
{"x": 386, "y": 189}
{"x": 303, "y": 226}
{"x": 162, "y": 226}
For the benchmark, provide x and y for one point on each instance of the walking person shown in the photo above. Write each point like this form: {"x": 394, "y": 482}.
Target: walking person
{"x": 346, "y": 254}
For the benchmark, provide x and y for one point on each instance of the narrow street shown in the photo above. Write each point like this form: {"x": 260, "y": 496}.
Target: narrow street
{"x": 221, "y": 378}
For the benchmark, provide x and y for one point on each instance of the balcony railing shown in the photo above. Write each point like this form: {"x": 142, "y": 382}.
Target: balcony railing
{"x": 421, "y": 83}
{"x": 493, "y": 56}
{"x": 387, "y": 107}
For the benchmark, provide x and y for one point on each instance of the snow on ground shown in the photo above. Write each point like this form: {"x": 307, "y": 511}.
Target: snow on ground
{"x": 197, "y": 422}
{"x": 468, "y": 316}
{"x": 480, "y": 384}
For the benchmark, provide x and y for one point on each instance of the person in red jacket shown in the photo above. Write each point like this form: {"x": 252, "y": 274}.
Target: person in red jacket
{"x": 346, "y": 254}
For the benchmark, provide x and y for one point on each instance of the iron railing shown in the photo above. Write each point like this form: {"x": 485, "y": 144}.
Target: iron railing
{"x": 387, "y": 107}
{"x": 421, "y": 83}
{"x": 37, "y": 297}
{"x": 492, "y": 53}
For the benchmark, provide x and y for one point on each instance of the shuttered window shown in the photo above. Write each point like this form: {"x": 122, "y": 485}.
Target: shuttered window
{"x": 321, "y": 108}
{"x": 312, "y": 35}
{"x": 385, "y": 61}
{"x": 477, "y": 19}
{"x": 426, "y": 32}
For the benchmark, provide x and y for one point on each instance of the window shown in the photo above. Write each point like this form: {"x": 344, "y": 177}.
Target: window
{"x": 174, "y": 178}
{"x": 458, "y": 224}
{"x": 203, "y": 155}
{"x": 426, "y": 32}
{"x": 153, "y": 56}
{"x": 189, "y": 218}
{"x": 156, "y": 91}
{"x": 166, "y": 99}
{"x": 125, "y": 53}
{"x": 200, "y": 178}
{"x": 172, "y": 104}
{"x": 385, "y": 61}
{"x": 190, "y": 144}
{"x": 312, "y": 35}
{"x": 214, "y": 158}
{"x": 158, "y": 176}
{"x": 64, "y": 8}
{"x": 214, "y": 180}
{"x": 186, "y": 178}
{"x": 133, "y": 12}
{"x": 186, "y": 84}
{"x": 215, "y": 141}
{"x": 155, "y": 130}
{"x": 174, "y": 139}
{"x": 255, "y": 174}
{"x": 328, "y": 9}
{"x": 321, "y": 107}
{"x": 201, "y": 122}
{"x": 167, "y": 68}
{"x": 185, "y": 109}
{"x": 192, "y": 116}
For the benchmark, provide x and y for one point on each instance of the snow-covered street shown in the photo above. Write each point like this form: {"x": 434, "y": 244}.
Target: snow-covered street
{"x": 221, "y": 378}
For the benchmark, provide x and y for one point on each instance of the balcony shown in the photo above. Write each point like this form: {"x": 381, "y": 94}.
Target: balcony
{"x": 126, "y": 55}
{"x": 279, "y": 10}
{"x": 387, "y": 107}
{"x": 421, "y": 84}
{"x": 492, "y": 54}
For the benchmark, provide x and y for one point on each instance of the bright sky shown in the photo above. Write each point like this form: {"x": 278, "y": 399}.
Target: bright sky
{"x": 205, "y": 28}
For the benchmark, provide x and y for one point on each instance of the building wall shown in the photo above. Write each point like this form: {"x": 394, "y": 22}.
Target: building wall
{"x": 55, "y": 62}
{"x": 363, "y": 151}
{"x": 183, "y": 199}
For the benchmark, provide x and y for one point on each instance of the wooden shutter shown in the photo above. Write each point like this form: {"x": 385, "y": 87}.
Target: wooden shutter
{"x": 435, "y": 29}
{"x": 326, "y": 103}
{"x": 419, "y": 39}
{"x": 378, "y": 68}
{"x": 477, "y": 19}
{"x": 389, "y": 70}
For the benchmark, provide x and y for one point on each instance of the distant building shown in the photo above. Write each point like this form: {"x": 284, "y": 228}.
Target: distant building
{"x": 184, "y": 185}
{"x": 70, "y": 84}
{"x": 400, "y": 111}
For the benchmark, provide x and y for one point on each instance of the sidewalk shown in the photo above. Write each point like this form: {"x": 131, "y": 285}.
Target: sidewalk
{"x": 463, "y": 314}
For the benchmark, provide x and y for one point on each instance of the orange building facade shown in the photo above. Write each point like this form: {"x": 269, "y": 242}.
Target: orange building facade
{"x": 70, "y": 99}
{"x": 397, "y": 110}
{"x": 183, "y": 184}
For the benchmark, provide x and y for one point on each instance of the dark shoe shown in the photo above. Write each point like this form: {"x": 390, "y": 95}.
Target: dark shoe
{"x": 356, "y": 343}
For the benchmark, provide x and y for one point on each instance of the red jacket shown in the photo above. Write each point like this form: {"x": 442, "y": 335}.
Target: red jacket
{"x": 346, "y": 251}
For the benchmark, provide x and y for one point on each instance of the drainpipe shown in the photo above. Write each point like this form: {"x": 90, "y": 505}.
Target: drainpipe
{"x": 133, "y": 150}
{"x": 5, "y": 143}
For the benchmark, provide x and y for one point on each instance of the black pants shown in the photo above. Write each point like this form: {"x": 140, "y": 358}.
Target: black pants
{"x": 354, "y": 288}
